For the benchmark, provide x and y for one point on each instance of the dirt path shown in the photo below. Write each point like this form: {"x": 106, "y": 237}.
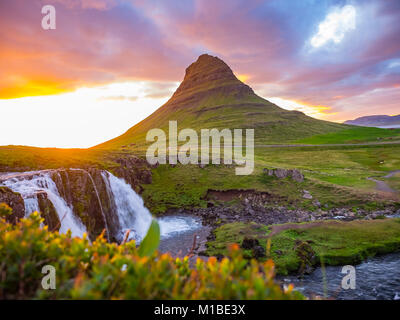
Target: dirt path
{"x": 382, "y": 185}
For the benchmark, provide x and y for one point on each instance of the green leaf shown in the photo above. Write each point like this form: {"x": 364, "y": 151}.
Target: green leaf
{"x": 151, "y": 241}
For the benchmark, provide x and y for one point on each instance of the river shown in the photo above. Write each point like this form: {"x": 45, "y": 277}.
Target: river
{"x": 377, "y": 278}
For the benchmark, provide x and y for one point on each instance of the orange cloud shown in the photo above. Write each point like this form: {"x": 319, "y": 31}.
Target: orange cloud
{"x": 317, "y": 111}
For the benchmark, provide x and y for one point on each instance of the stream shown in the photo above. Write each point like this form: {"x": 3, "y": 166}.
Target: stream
{"x": 377, "y": 278}
{"x": 178, "y": 233}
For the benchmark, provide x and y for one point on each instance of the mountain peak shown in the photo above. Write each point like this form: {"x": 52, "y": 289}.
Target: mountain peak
{"x": 208, "y": 72}
{"x": 207, "y": 65}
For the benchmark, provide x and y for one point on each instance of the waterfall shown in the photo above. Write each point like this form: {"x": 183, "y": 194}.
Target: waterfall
{"x": 99, "y": 200}
{"x": 126, "y": 210}
{"x": 132, "y": 214}
{"x": 29, "y": 184}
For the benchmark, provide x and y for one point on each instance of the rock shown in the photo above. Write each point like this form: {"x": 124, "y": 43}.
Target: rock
{"x": 48, "y": 212}
{"x": 249, "y": 243}
{"x": 306, "y": 255}
{"x": 307, "y": 195}
{"x": 317, "y": 203}
{"x": 202, "y": 166}
{"x": 281, "y": 173}
{"x": 285, "y": 173}
{"x": 88, "y": 194}
{"x": 15, "y": 202}
{"x": 278, "y": 252}
{"x": 297, "y": 176}
{"x": 259, "y": 252}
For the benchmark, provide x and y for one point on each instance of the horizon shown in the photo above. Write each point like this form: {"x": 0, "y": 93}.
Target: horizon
{"x": 110, "y": 64}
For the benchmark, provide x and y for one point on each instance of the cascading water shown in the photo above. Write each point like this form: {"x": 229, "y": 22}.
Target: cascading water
{"x": 132, "y": 214}
{"x": 98, "y": 199}
{"x": 126, "y": 210}
{"x": 29, "y": 184}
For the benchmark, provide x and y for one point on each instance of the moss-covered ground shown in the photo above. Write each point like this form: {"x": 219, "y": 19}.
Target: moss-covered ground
{"x": 335, "y": 242}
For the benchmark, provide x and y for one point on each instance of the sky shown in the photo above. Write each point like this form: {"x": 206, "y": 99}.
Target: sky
{"x": 110, "y": 63}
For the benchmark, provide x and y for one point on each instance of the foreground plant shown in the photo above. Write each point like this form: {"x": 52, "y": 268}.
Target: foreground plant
{"x": 102, "y": 270}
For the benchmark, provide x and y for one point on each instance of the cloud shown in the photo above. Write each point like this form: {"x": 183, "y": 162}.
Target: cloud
{"x": 88, "y": 48}
{"x": 335, "y": 26}
{"x": 98, "y": 42}
{"x": 120, "y": 98}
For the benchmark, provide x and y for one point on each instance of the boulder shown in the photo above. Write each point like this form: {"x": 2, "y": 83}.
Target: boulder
{"x": 249, "y": 243}
{"x": 48, "y": 212}
{"x": 281, "y": 173}
{"x": 259, "y": 252}
{"x": 295, "y": 174}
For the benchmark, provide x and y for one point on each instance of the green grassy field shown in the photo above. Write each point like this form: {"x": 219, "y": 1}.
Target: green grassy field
{"x": 335, "y": 242}
{"x": 336, "y": 176}
{"x": 354, "y": 135}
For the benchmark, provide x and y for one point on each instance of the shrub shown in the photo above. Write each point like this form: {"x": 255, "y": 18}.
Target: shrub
{"x": 102, "y": 270}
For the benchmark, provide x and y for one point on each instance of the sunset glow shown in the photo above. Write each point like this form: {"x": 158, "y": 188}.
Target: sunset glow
{"x": 109, "y": 64}
{"x": 79, "y": 119}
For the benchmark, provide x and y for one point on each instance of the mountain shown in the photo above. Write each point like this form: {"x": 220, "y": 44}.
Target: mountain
{"x": 211, "y": 96}
{"x": 376, "y": 121}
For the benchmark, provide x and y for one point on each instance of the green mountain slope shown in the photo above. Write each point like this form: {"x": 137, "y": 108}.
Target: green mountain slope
{"x": 211, "y": 96}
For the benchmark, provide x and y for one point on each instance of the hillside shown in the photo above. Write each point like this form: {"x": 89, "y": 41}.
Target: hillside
{"x": 376, "y": 121}
{"x": 211, "y": 96}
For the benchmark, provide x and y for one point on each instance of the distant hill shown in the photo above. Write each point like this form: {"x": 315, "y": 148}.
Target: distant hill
{"x": 211, "y": 96}
{"x": 376, "y": 121}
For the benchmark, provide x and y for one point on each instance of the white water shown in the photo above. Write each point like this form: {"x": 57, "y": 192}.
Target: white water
{"x": 132, "y": 214}
{"x": 30, "y": 184}
{"x": 172, "y": 225}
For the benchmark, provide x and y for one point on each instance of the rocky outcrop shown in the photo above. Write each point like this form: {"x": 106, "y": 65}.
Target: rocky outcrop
{"x": 48, "y": 212}
{"x": 87, "y": 193}
{"x": 279, "y": 173}
{"x": 15, "y": 202}
{"x": 135, "y": 171}
{"x": 206, "y": 72}
{"x": 260, "y": 208}
{"x": 254, "y": 245}
{"x": 306, "y": 255}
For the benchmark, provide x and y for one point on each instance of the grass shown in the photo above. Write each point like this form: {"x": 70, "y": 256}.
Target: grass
{"x": 335, "y": 176}
{"x": 30, "y": 158}
{"x": 230, "y": 233}
{"x": 394, "y": 182}
{"x": 337, "y": 242}
{"x": 354, "y": 135}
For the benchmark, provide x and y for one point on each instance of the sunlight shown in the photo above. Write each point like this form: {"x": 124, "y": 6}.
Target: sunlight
{"x": 243, "y": 77}
{"x": 310, "y": 110}
{"x": 83, "y": 118}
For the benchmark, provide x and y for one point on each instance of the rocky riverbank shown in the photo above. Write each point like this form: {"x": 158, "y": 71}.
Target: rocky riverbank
{"x": 255, "y": 208}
